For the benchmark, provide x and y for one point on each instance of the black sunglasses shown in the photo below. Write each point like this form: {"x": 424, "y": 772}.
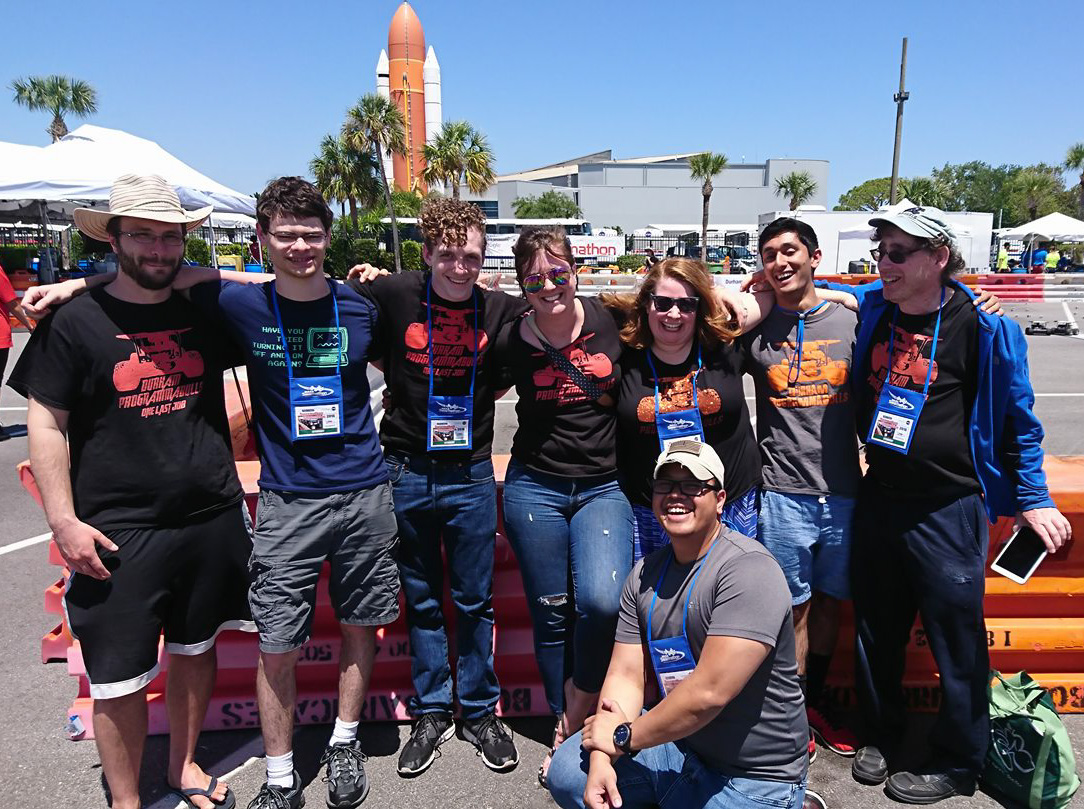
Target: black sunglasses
{"x": 896, "y": 255}
{"x": 689, "y": 488}
{"x": 664, "y": 303}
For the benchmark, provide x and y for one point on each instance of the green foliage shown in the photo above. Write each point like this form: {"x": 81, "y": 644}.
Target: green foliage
{"x": 978, "y": 186}
{"x": 459, "y": 154}
{"x": 550, "y": 205}
{"x": 705, "y": 166}
{"x": 869, "y": 196}
{"x": 78, "y": 248}
{"x": 1035, "y": 191}
{"x": 799, "y": 186}
{"x": 15, "y": 258}
{"x": 412, "y": 256}
{"x": 59, "y": 95}
{"x": 367, "y": 252}
{"x": 345, "y": 173}
{"x": 630, "y": 262}
{"x": 928, "y": 191}
{"x": 406, "y": 203}
{"x": 197, "y": 251}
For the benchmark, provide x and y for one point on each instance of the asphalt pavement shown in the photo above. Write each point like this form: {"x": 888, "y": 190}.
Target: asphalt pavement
{"x": 40, "y": 767}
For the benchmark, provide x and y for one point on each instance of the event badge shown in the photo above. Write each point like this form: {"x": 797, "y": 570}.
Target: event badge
{"x": 316, "y": 402}
{"x": 895, "y": 417}
{"x": 672, "y": 658}
{"x": 673, "y": 661}
{"x": 450, "y": 419}
{"x": 449, "y": 422}
{"x": 678, "y": 423}
{"x": 898, "y": 409}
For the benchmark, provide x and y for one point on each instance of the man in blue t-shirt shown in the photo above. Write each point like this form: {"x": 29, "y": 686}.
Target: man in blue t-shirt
{"x": 324, "y": 490}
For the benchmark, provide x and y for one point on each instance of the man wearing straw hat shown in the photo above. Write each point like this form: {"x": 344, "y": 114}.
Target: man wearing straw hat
{"x": 148, "y": 512}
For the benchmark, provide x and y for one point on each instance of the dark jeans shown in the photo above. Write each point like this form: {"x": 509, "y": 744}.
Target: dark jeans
{"x": 926, "y": 556}
{"x": 564, "y": 529}
{"x": 456, "y": 502}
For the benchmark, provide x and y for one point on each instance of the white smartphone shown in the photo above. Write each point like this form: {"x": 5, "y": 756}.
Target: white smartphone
{"x": 1020, "y": 556}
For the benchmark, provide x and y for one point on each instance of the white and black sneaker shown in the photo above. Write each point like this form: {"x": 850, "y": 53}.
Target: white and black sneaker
{"x": 430, "y": 731}
{"x": 347, "y": 785}
{"x": 269, "y": 797}
{"x": 493, "y": 740}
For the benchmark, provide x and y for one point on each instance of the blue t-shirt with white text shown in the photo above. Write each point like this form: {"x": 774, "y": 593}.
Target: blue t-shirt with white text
{"x": 346, "y": 462}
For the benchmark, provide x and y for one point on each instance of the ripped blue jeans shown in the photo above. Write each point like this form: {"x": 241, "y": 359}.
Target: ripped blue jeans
{"x": 573, "y": 540}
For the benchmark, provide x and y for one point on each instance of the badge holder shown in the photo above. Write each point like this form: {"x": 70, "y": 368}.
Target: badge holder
{"x": 672, "y": 658}
{"x": 678, "y": 423}
{"x": 898, "y": 409}
{"x": 316, "y": 402}
{"x": 450, "y": 419}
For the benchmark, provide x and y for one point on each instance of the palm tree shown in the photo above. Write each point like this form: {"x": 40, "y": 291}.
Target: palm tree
{"x": 798, "y": 185}
{"x": 345, "y": 174}
{"x": 703, "y": 167}
{"x": 929, "y": 191}
{"x": 375, "y": 124}
{"x": 459, "y": 154}
{"x": 1033, "y": 187}
{"x": 59, "y": 95}
{"x": 1074, "y": 161}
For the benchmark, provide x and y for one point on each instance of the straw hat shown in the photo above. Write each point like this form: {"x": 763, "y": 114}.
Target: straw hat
{"x": 143, "y": 197}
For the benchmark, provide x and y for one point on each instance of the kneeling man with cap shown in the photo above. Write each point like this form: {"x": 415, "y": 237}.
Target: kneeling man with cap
{"x": 711, "y": 614}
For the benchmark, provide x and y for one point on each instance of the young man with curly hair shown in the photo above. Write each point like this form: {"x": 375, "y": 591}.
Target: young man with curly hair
{"x": 437, "y": 328}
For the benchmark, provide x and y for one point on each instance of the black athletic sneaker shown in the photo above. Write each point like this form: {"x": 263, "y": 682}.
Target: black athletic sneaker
{"x": 430, "y": 731}
{"x": 493, "y": 740}
{"x": 347, "y": 785}
{"x": 270, "y": 797}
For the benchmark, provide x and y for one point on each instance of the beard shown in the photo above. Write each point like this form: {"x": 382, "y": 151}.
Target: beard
{"x": 134, "y": 269}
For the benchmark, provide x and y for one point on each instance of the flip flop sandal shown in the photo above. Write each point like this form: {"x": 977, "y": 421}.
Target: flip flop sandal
{"x": 543, "y": 768}
{"x": 186, "y": 795}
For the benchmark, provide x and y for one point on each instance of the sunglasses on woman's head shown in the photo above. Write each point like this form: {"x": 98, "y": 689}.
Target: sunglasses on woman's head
{"x": 664, "y": 303}
{"x": 536, "y": 281}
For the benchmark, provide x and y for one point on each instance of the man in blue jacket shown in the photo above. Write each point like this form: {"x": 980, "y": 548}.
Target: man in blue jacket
{"x": 943, "y": 401}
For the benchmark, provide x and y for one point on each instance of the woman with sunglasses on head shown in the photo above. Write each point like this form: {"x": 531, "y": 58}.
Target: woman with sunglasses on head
{"x": 565, "y": 515}
{"x": 681, "y": 377}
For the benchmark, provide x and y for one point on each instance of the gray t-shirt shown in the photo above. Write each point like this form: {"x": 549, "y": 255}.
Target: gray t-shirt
{"x": 805, "y": 416}
{"x": 741, "y": 592}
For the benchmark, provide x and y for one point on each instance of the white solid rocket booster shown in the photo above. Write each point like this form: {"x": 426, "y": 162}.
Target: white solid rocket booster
{"x": 383, "y": 89}
{"x": 431, "y": 80}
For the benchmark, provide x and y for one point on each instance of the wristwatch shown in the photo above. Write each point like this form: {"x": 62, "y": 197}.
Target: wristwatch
{"x": 623, "y": 738}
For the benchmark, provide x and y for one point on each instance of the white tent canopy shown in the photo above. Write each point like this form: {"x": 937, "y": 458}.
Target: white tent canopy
{"x": 1054, "y": 227}
{"x": 82, "y": 166}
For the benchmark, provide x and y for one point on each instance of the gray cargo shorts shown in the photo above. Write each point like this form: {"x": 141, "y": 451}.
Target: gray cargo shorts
{"x": 295, "y": 534}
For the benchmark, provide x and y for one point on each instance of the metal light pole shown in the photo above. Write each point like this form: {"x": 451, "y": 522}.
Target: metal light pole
{"x": 899, "y": 98}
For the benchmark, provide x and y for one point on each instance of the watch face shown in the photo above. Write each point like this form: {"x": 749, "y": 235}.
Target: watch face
{"x": 621, "y": 735}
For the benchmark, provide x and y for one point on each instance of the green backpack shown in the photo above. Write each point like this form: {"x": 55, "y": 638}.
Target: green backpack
{"x": 1030, "y": 759}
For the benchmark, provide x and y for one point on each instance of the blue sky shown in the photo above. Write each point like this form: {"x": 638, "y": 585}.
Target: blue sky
{"x": 244, "y": 91}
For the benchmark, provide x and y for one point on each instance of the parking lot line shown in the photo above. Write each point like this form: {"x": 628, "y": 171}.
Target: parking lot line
{"x": 24, "y": 543}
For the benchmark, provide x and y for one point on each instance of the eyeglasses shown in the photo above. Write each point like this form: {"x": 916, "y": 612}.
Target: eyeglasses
{"x": 312, "y": 238}
{"x": 146, "y": 238}
{"x": 896, "y": 255}
{"x": 536, "y": 281}
{"x": 689, "y": 488}
{"x": 664, "y": 303}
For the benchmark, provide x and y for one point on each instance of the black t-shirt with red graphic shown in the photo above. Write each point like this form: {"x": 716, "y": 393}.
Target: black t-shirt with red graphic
{"x": 724, "y": 416}
{"x": 939, "y": 462}
{"x": 147, "y": 428}
{"x": 561, "y": 430}
{"x": 400, "y": 300}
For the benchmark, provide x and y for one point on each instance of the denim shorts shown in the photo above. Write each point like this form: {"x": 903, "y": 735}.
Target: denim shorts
{"x": 810, "y": 536}
{"x": 295, "y": 534}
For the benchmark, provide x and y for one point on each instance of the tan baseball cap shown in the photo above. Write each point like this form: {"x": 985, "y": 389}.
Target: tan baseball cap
{"x": 696, "y": 456}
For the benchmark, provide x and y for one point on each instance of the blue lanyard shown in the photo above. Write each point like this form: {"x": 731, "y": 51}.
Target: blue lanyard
{"x": 688, "y": 596}
{"x": 655, "y": 374}
{"x": 933, "y": 348}
{"x": 429, "y": 323}
{"x": 797, "y": 364}
{"x": 282, "y": 333}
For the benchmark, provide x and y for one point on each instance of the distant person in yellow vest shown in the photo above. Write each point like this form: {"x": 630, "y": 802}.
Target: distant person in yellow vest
{"x": 1053, "y": 255}
{"x": 1002, "y": 258}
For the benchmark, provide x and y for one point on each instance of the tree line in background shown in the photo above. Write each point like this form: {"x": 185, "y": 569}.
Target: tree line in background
{"x": 1014, "y": 194}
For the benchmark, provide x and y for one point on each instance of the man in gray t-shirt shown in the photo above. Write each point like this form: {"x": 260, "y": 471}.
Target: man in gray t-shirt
{"x": 705, "y": 620}
{"x": 800, "y": 361}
